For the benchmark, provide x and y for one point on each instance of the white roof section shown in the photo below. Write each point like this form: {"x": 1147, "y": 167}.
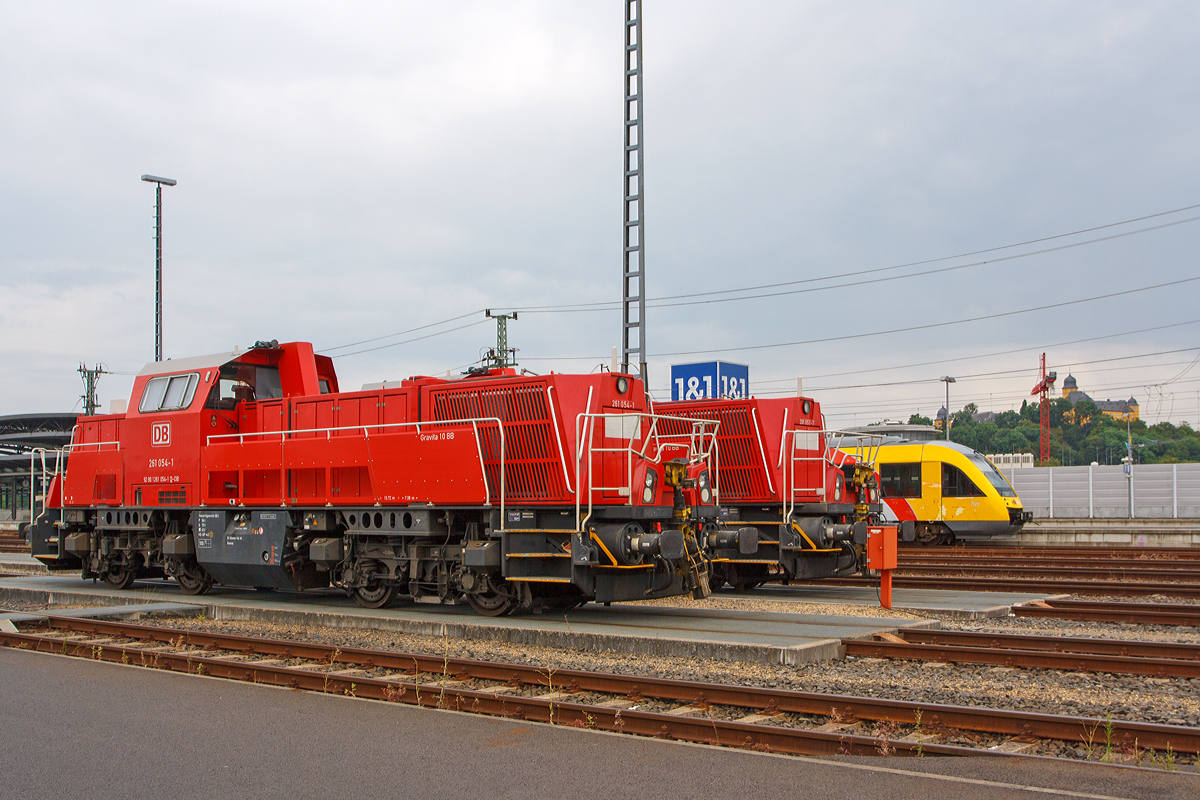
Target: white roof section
{"x": 193, "y": 364}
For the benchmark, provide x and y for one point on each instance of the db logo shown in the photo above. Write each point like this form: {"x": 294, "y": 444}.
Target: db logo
{"x": 160, "y": 434}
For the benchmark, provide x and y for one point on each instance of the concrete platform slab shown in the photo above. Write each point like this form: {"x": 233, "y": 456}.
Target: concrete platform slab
{"x": 134, "y": 611}
{"x": 928, "y": 601}
{"x": 757, "y": 636}
{"x": 21, "y": 563}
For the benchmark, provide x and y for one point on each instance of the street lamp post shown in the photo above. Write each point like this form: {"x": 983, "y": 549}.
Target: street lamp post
{"x": 158, "y": 184}
{"x": 946, "y": 423}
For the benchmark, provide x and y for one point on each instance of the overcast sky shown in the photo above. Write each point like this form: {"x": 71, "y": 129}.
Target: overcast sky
{"x": 355, "y": 170}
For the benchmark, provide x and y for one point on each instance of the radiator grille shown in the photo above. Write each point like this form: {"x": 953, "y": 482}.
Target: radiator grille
{"x": 172, "y": 498}
{"x": 532, "y": 469}
{"x": 740, "y": 462}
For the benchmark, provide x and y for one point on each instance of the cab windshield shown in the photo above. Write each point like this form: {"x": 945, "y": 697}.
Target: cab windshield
{"x": 998, "y": 481}
{"x": 244, "y": 383}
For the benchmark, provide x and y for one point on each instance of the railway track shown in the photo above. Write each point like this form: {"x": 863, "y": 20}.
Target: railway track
{"x": 773, "y": 720}
{"x": 1188, "y": 591}
{"x": 1092, "y": 611}
{"x": 1083, "y": 571}
{"x": 1073, "y": 550}
{"x": 1158, "y": 659}
{"x": 908, "y": 553}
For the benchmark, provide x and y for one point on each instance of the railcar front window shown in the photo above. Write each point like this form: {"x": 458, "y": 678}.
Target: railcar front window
{"x": 993, "y": 475}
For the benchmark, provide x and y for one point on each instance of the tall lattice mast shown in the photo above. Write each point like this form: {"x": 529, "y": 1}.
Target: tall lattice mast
{"x": 633, "y": 265}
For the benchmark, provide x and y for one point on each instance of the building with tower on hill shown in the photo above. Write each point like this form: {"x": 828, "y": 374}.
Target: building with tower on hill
{"x": 1124, "y": 410}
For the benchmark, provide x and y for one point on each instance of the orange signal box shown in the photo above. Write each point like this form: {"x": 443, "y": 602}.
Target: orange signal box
{"x": 881, "y": 555}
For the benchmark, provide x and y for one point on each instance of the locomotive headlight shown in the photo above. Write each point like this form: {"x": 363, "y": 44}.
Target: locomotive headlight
{"x": 622, "y": 385}
{"x": 837, "y": 488}
{"x": 702, "y": 483}
{"x": 648, "y": 493}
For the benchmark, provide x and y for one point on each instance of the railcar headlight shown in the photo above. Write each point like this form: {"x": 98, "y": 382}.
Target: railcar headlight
{"x": 705, "y": 492}
{"x": 648, "y": 493}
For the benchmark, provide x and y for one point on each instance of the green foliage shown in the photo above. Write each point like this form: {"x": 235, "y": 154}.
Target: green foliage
{"x": 1079, "y": 435}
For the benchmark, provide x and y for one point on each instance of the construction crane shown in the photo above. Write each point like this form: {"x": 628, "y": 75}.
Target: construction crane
{"x": 1043, "y": 388}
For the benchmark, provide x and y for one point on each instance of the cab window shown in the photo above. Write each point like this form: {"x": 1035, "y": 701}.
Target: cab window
{"x": 956, "y": 484}
{"x": 243, "y": 383}
{"x": 901, "y": 480}
{"x": 168, "y": 393}
{"x": 997, "y": 480}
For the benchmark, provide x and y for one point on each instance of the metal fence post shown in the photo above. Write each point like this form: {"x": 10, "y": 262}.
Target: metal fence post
{"x": 1050, "y": 473}
{"x": 1091, "y": 504}
{"x": 1132, "y": 497}
{"x": 1175, "y": 491}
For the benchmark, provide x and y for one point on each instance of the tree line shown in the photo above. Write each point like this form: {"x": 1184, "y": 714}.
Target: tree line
{"x": 1079, "y": 434}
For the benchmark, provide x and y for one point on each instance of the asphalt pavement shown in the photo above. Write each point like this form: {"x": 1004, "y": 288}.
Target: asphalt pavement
{"x": 72, "y": 728}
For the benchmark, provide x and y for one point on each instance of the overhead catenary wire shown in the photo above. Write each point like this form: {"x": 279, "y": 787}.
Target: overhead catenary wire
{"x": 415, "y": 339}
{"x": 932, "y": 325}
{"x": 328, "y": 350}
{"x": 612, "y": 305}
{"x": 659, "y": 302}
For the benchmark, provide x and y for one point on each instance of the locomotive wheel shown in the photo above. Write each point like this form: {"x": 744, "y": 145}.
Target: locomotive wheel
{"x": 377, "y": 595}
{"x": 492, "y": 604}
{"x": 120, "y": 578}
{"x": 196, "y": 581}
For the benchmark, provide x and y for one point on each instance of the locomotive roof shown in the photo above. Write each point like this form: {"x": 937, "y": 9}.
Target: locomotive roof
{"x": 192, "y": 364}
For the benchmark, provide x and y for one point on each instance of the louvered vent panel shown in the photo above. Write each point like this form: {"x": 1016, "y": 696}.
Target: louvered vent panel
{"x": 532, "y": 469}
{"x": 741, "y": 469}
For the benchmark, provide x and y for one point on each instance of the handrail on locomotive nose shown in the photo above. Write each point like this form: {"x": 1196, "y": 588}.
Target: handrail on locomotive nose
{"x": 866, "y": 451}
{"x": 697, "y": 450}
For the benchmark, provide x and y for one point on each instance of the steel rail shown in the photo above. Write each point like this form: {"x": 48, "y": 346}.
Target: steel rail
{"x": 1134, "y": 613}
{"x": 768, "y": 701}
{"x": 1013, "y": 656}
{"x": 1052, "y": 562}
{"x": 1026, "y": 569}
{"x": 1126, "y": 551}
{"x": 1059, "y": 644}
{"x": 985, "y": 584}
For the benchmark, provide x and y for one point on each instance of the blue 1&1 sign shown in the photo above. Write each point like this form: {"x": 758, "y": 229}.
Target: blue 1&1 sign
{"x": 709, "y": 381}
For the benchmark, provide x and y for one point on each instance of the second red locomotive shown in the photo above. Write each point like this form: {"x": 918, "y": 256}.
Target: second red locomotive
{"x": 780, "y": 472}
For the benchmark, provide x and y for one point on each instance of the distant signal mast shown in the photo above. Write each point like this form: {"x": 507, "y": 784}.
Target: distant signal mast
{"x": 1043, "y": 388}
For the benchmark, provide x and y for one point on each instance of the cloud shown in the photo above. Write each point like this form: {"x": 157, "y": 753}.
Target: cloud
{"x": 351, "y": 171}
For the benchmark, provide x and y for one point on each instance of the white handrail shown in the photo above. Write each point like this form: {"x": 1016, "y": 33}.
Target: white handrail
{"x": 558, "y": 438}
{"x": 762, "y": 452}
{"x": 866, "y": 455}
{"x": 585, "y": 427}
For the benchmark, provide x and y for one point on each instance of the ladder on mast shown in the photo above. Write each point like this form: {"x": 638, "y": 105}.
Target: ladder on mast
{"x": 634, "y": 256}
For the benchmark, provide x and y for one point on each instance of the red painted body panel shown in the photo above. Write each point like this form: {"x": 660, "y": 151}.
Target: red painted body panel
{"x": 311, "y": 448}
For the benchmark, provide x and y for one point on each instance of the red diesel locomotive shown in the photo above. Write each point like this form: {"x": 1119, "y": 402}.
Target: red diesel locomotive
{"x": 502, "y": 490}
{"x": 781, "y": 473}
